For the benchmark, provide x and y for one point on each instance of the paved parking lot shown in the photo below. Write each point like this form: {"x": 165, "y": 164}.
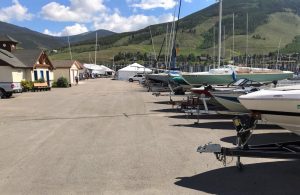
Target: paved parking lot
{"x": 112, "y": 137}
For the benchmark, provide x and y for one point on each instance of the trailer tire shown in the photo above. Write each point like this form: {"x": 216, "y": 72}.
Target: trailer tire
{"x": 8, "y": 94}
{"x": 2, "y": 93}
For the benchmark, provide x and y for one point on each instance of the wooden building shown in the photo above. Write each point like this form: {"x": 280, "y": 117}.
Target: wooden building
{"x": 68, "y": 69}
{"x": 18, "y": 65}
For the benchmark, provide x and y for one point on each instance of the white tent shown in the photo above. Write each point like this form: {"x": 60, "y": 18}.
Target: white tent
{"x": 106, "y": 70}
{"x": 98, "y": 69}
{"x": 131, "y": 70}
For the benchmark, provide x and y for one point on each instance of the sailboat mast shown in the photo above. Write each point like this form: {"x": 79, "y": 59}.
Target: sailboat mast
{"x": 171, "y": 40}
{"x": 167, "y": 46}
{"x": 96, "y": 48}
{"x": 278, "y": 54}
{"x": 220, "y": 33}
{"x": 232, "y": 39}
{"x": 247, "y": 41}
{"x": 153, "y": 45}
{"x": 224, "y": 46}
{"x": 214, "y": 53}
{"x": 70, "y": 48}
{"x": 174, "y": 51}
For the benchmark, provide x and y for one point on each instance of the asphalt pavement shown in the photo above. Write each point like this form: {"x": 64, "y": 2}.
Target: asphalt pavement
{"x": 112, "y": 137}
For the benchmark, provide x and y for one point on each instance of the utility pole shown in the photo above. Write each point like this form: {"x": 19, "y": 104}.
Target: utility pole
{"x": 96, "y": 48}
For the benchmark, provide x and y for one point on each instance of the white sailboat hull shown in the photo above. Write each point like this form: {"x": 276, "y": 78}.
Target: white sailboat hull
{"x": 276, "y": 106}
{"x": 287, "y": 122}
{"x": 230, "y": 101}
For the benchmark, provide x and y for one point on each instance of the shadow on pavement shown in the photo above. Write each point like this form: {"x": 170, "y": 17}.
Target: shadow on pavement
{"x": 264, "y": 138}
{"x": 161, "y": 102}
{"x": 226, "y": 125}
{"x": 262, "y": 178}
{"x": 205, "y": 116}
{"x": 210, "y": 125}
{"x": 167, "y": 110}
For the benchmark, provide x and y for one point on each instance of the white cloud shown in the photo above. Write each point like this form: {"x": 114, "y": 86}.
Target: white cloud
{"x": 118, "y": 23}
{"x": 69, "y": 30}
{"x": 75, "y": 29}
{"x": 78, "y": 11}
{"x": 15, "y": 11}
{"x": 88, "y": 5}
{"x": 151, "y": 4}
{"x": 48, "y": 32}
{"x": 188, "y": 1}
{"x": 95, "y": 12}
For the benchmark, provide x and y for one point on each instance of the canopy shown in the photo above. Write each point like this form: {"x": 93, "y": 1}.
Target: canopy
{"x": 98, "y": 69}
{"x": 131, "y": 70}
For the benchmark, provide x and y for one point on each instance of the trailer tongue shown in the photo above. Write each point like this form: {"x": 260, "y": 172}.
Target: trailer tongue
{"x": 245, "y": 124}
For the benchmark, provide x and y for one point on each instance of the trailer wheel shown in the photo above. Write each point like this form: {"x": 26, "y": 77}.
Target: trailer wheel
{"x": 2, "y": 93}
{"x": 8, "y": 94}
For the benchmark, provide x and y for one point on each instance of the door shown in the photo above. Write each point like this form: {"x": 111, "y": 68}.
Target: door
{"x": 72, "y": 76}
{"x": 42, "y": 74}
{"x": 35, "y": 75}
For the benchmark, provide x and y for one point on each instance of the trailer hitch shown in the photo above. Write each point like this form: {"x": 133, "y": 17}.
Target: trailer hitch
{"x": 244, "y": 125}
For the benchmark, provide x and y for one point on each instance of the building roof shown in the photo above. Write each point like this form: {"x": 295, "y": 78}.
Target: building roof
{"x": 66, "y": 64}
{"x": 6, "y": 38}
{"x": 11, "y": 59}
{"x": 28, "y": 57}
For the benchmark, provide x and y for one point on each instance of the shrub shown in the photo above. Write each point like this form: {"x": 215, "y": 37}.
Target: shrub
{"x": 27, "y": 85}
{"x": 54, "y": 84}
{"x": 41, "y": 80}
{"x": 62, "y": 82}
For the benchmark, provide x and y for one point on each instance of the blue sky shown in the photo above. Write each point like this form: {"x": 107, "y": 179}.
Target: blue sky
{"x": 69, "y": 17}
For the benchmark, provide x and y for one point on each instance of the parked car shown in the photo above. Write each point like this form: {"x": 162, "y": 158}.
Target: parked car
{"x": 7, "y": 89}
{"x": 137, "y": 77}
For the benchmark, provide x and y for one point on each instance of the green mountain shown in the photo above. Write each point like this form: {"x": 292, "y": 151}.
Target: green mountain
{"x": 30, "y": 39}
{"x": 271, "y": 24}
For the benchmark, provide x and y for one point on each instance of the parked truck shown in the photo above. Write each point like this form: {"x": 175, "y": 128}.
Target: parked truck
{"x": 7, "y": 89}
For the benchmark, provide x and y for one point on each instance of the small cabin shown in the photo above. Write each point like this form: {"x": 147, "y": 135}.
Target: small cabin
{"x": 69, "y": 69}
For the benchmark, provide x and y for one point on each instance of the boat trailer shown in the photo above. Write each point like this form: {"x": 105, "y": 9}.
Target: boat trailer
{"x": 245, "y": 124}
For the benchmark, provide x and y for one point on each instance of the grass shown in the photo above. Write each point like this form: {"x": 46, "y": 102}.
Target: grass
{"x": 282, "y": 26}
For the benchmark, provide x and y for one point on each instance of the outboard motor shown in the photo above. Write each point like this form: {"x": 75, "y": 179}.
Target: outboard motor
{"x": 244, "y": 124}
